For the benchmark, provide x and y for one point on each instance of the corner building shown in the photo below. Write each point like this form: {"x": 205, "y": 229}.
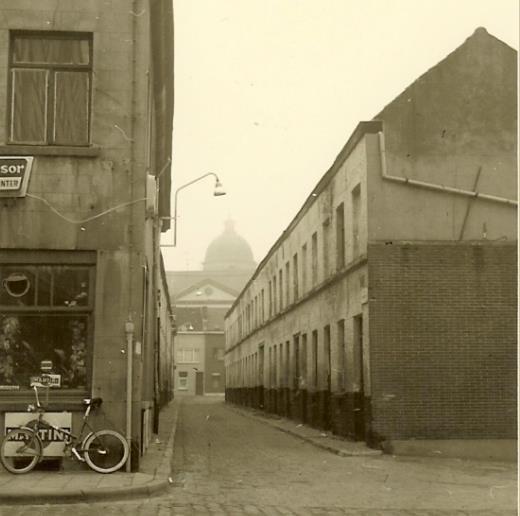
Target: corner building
{"x": 87, "y": 96}
{"x": 386, "y": 312}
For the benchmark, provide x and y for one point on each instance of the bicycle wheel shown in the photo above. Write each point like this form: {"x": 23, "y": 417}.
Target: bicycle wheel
{"x": 21, "y": 450}
{"x": 106, "y": 451}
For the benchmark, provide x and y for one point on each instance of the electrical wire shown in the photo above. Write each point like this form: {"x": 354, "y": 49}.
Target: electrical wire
{"x": 88, "y": 219}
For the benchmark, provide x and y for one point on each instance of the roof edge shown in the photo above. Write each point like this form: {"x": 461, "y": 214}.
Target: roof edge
{"x": 362, "y": 128}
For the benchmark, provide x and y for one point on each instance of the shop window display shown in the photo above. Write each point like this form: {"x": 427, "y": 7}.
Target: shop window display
{"x": 45, "y": 316}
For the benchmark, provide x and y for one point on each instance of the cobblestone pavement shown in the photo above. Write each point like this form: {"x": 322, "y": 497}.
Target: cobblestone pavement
{"x": 227, "y": 464}
{"x": 167, "y": 508}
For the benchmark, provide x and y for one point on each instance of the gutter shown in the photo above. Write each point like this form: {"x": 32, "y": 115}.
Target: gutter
{"x": 433, "y": 186}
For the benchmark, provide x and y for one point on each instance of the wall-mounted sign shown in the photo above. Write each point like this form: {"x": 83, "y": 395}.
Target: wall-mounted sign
{"x": 15, "y": 172}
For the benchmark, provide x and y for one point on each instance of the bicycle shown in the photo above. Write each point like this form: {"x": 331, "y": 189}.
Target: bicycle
{"x": 104, "y": 451}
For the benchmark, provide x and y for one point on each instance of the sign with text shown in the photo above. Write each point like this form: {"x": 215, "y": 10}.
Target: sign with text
{"x": 15, "y": 172}
{"x": 53, "y": 440}
{"x": 46, "y": 380}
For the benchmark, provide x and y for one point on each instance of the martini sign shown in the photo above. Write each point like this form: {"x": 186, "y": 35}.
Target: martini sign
{"x": 14, "y": 175}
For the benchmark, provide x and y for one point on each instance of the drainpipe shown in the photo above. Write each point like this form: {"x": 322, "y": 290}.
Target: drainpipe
{"x": 129, "y": 330}
{"x": 433, "y": 186}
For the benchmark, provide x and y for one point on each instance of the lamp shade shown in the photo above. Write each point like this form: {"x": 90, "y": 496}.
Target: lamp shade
{"x": 219, "y": 189}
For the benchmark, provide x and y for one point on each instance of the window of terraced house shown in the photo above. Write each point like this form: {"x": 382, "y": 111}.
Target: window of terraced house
{"x": 356, "y": 207}
{"x": 280, "y": 287}
{"x": 314, "y": 258}
{"x": 340, "y": 237}
{"x": 287, "y": 283}
{"x": 295, "y": 277}
{"x": 50, "y": 76}
{"x": 275, "y": 294}
{"x": 270, "y": 298}
{"x": 326, "y": 250}
{"x": 304, "y": 268}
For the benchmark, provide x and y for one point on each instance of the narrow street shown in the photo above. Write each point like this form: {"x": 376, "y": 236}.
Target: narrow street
{"x": 226, "y": 462}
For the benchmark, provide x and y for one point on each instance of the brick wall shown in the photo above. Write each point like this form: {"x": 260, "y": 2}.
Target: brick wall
{"x": 443, "y": 347}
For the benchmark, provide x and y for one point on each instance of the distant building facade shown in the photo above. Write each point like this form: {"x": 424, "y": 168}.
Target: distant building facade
{"x": 200, "y": 301}
{"x": 87, "y": 98}
{"x": 386, "y": 311}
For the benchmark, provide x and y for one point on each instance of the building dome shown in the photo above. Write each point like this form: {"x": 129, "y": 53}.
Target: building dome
{"x": 229, "y": 251}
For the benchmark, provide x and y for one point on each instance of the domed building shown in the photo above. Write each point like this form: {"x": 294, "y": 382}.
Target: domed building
{"x": 229, "y": 251}
{"x": 200, "y": 300}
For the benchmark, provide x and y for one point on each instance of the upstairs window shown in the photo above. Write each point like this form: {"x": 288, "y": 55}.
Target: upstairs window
{"x": 50, "y": 80}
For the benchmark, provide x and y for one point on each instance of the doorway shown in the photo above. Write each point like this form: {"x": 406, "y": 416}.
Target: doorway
{"x": 199, "y": 383}
{"x": 359, "y": 396}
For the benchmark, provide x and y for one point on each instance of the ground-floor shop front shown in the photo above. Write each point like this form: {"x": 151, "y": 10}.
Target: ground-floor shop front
{"x": 80, "y": 324}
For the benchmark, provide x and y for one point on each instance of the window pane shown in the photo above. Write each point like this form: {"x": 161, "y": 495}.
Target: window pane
{"x": 44, "y": 286}
{"x": 71, "y": 286}
{"x": 50, "y": 51}
{"x": 17, "y": 286}
{"x": 26, "y": 340}
{"x": 71, "y": 94}
{"x": 29, "y": 101}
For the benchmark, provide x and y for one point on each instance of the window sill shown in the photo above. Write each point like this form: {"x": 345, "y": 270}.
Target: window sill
{"x": 50, "y": 150}
{"x": 70, "y": 400}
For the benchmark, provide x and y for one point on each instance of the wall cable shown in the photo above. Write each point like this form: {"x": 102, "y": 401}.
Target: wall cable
{"x": 88, "y": 219}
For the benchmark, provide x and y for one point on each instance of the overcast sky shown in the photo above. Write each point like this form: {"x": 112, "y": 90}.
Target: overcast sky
{"x": 268, "y": 91}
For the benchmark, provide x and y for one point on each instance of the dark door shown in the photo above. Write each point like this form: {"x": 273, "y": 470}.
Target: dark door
{"x": 261, "y": 376}
{"x": 327, "y": 416}
{"x": 359, "y": 399}
{"x": 199, "y": 383}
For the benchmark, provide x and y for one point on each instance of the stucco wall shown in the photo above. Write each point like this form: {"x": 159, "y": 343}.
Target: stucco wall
{"x": 112, "y": 172}
{"x": 457, "y": 118}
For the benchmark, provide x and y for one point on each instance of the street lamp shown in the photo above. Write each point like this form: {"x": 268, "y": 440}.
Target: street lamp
{"x": 217, "y": 192}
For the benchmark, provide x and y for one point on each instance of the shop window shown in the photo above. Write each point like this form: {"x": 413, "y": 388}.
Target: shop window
{"x": 50, "y": 80}
{"x": 46, "y": 315}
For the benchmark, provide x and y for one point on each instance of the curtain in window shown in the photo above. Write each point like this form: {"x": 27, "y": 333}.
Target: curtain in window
{"x": 51, "y": 51}
{"x": 29, "y": 101}
{"x": 71, "y": 108}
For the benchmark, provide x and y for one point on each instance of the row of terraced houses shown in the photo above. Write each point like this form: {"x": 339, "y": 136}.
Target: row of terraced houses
{"x": 386, "y": 311}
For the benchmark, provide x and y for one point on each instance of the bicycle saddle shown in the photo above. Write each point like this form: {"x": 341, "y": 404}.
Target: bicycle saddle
{"x": 94, "y": 402}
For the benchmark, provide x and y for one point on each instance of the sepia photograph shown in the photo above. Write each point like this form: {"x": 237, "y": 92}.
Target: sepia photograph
{"x": 259, "y": 257}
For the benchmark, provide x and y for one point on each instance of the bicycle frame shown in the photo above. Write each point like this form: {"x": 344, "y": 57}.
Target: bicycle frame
{"x": 70, "y": 439}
